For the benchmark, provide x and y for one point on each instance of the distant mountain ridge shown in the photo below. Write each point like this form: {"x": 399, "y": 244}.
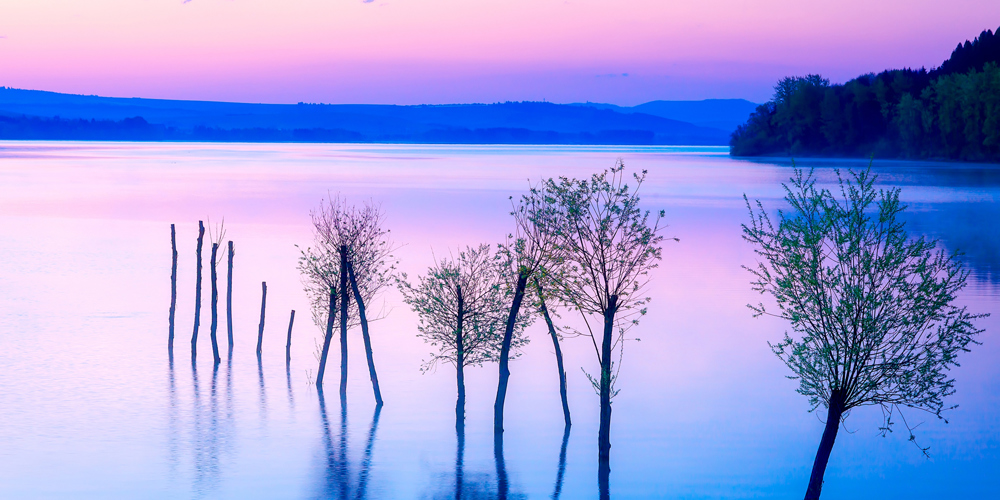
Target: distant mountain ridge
{"x": 31, "y": 114}
{"x": 723, "y": 114}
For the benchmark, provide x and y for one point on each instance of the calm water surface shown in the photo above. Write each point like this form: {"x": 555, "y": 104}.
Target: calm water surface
{"x": 90, "y": 407}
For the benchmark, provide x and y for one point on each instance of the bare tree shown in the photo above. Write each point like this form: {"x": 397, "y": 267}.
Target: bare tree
{"x": 229, "y": 297}
{"x": 463, "y": 304}
{"x": 610, "y": 245}
{"x": 173, "y": 290}
{"x": 197, "y": 293}
{"x": 352, "y": 253}
{"x": 872, "y": 308}
{"x": 215, "y": 237}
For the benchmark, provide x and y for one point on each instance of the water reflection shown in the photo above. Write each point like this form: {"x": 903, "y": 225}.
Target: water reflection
{"x": 561, "y": 471}
{"x": 336, "y": 478}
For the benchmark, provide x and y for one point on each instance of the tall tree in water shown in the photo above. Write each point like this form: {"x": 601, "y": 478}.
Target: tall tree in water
{"x": 610, "y": 246}
{"x": 197, "y": 293}
{"x": 532, "y": 247}
{"x": 872, "y": 309}
{"x": 352, "y": 253}
{"x": 462, "y": 304}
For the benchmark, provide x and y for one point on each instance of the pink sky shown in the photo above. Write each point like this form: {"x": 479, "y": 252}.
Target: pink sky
{"x": 442, "y": 51}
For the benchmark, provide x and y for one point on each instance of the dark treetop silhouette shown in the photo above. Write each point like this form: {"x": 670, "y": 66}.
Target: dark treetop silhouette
{"x": 950, "y": 112}
{"x": 871, "y": 308}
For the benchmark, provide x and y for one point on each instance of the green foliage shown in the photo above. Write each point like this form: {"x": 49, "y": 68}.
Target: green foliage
{"x": 481, "y": 278}
{"x": 607, "y": 244}
{"x": 872, "y": 309}
{"x": 360, "y": 229}
{"x": 952, "y": 112}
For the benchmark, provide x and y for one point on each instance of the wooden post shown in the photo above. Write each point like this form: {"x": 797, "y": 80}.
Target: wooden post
{"x": 173, "y": 288}
{"x": 197, "y": 293}
{"x": 215, "y": 303}
{"x": 229, "y": 299}
{"x": 260, "y": 329}
{"x": 288, "y": 343}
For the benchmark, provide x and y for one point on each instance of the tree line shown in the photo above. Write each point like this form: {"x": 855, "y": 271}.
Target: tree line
{"x": 871, "y": 308}
{"x": 950, "y": 112}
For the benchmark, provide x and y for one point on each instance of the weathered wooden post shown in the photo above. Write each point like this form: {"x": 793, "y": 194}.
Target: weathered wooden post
{"x": 173, "y": 288}
{"x": 260, "y": 329}
{"x": 229, "y": 298}
{"x": 288, "y": 343}
{"x": 197, "y": 293}
{"x": 215, "y": 303}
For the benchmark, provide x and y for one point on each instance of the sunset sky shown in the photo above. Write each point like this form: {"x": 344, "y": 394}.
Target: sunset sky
{"x": 449, "y": 51}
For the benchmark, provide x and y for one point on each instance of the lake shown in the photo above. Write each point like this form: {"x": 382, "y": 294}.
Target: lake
{"x": 90, "y": 407}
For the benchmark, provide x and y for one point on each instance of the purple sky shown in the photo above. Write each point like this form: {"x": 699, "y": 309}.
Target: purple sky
{"x": 443, "y": 51}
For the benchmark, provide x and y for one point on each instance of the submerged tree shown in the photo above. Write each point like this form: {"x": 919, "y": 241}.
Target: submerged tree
{"x": 609, "y": 245}
{"x": 872, "y": 308}
{"x": 197, "y": 292}
{"x": 533, "y": 247}
{"x": 352, "y": 254}
{"x": 215, "y": 237}
{"x": 462, "y": 305}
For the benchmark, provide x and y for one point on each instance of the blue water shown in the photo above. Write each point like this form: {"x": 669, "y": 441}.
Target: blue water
{"x": 91, "y": 408}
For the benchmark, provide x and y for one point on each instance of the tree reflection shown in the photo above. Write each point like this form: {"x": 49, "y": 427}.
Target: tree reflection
{"x": 336, "y": 477}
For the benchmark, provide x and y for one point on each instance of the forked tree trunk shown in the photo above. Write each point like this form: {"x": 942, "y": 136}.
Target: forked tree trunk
{"x": 604, "y": 432}
{"x": 215, "y": 303}
{"x": 229, "y": 299}
{"x": 364, "y": 333}
{"x": 260, "y": 329}
{"x": 331, "y": 316}
{"x": 460, "y": 366}
{"x": 197, "y": 293}
{"x": 343, "y": 324}
{"x": 836, "y": 410}
{"x": 522, "y": 281}
{"x": 559, "y": 356}
{"x": 173, "y": 288}
{"x": 288, "y": 343}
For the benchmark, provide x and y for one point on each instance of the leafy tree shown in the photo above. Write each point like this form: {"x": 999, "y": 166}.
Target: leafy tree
{"x": 530, "y": 251}
{"x": 352, "y": 250}
{"x": 872, "y": 309}
{"x": 462, "y": 304}
{"x": 609, "y": 245}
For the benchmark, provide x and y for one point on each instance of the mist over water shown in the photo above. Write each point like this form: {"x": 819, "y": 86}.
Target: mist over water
{"x": 90, "y": 406}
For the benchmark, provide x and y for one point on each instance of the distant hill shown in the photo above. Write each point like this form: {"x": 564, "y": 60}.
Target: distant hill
{"x": 723, "y": 114}
{"x": 31, "y": 114}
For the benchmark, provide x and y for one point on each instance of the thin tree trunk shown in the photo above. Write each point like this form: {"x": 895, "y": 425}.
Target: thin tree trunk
{"x": 288, "y": 343}
{"x": 229, "y": 298}
{"x": 834, "y": 413}
{"x": 604, "y": 433}
{"x": 559, "y": 356}
{"x": 215, "y": 303}
{"x": 197, "y": 293}
{"x": 522, "y": 281}
{"x": 328, "y": 339}
{"x": 343, "y": 323}
{"x": 460, "y": 366}
{"x": 173, "y": 288}
{"x": 260, "y": 329}
{"x": 364, "y": 333}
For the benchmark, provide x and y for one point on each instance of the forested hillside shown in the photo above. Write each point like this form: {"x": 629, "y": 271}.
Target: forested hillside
{"x": 951, "y": 112}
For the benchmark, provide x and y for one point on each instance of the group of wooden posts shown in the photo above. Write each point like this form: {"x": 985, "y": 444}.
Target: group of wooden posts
{"x": 215, "y": 301}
